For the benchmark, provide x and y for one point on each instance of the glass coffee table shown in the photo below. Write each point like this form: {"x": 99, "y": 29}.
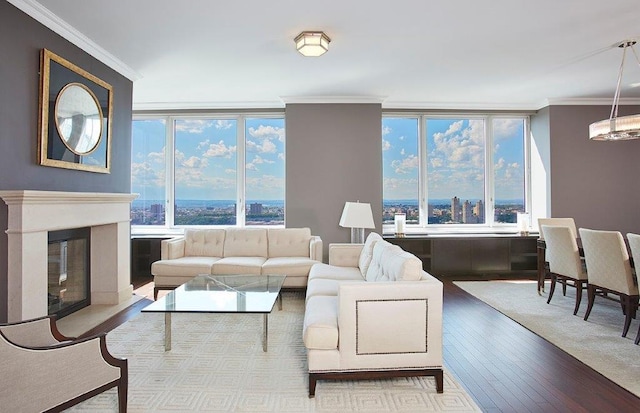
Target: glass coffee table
{"x": 250, "y": 294}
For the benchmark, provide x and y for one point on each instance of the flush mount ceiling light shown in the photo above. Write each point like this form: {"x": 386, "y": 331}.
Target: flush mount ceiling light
{"x": 312, "y": 44}
{"x": 618, "y": 128}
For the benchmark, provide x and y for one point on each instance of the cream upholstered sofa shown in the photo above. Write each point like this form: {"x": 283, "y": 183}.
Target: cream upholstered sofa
{"x": 283, "y": 251}
{"x": 372, "y": 312}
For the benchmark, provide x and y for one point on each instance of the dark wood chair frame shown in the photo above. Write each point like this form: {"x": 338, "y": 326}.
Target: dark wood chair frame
{"x": 579, "y": 285}
{"x": 122, "y": 383}
{"x": 629, "y": 305}
{"x": 379, "y": 374}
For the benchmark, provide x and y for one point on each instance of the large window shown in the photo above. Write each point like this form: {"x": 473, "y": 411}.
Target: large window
{"x": 218, "y": 171}
{"x": 454, "y": 170}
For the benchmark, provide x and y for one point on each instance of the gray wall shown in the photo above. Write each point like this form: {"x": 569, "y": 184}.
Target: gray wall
{"x": 334, "y": 155}
{"x": 597, "y": 183}
{"x": 21, "y": 39}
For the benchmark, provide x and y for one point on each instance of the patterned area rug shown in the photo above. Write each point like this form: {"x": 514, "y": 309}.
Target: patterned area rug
{"x": 216, "y": 364}
{"x": 596, "y": 342}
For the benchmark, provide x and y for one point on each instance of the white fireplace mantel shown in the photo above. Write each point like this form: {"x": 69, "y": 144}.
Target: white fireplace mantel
{"x": 32, "y": 214}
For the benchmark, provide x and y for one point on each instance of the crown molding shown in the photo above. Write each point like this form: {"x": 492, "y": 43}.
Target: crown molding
{"x": 487, "y": 106}
{"x": 68, "y": 32}
{"x": 592, "y": 101}
{"x": 332, "y": 99}
{"x": 143, "y": 106}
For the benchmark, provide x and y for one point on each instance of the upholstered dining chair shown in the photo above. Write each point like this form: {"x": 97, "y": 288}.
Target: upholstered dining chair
{"x": 558, "y": 222}
{"x": 609, "y": 271}
{"x": 634, "y": 246}
{"x": 45, "y": 371}
{"x": 565, "y": 265}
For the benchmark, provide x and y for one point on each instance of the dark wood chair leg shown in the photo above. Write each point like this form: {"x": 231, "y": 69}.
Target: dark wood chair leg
{"x": 439, "y": 376}
{"x": 564, "y": 287}
{"x": 628, "y": 313}
{"x": 312, "y": 385}
{"x": 122, "y": 396}
{"x": 591, "y": 295}
{"x": 638, "y": 336}
{"x": 155, "y": 293}
{"x": 554, "y": 280}
{"x": 579, "y": 286}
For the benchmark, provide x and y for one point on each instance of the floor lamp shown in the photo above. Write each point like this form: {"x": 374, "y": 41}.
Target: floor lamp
{"x": 357, "y": 216}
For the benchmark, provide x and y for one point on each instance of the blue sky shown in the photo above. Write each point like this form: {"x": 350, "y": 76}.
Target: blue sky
{"x": 456, "y": 158}
{"x": 206, "y": 155}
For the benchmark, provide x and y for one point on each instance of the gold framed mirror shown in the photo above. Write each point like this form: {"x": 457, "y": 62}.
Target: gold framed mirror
{"x": 75, "y": 117}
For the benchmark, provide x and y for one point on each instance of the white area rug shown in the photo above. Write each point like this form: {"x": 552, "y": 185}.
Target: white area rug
{"x": 596, "y": 342}
{"x": 217, "y": 364}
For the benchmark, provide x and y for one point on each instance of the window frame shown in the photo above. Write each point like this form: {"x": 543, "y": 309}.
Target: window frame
{"x": 170, "y": 227}
{"x": 490, "y": 226}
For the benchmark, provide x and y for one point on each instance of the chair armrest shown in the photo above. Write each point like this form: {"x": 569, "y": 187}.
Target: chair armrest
{"x": 400, "y": 321}
{"x": 315, "y": 248}
{"x": 345, "y": 255}
{"x": 36, "y": 332}
{"x": 172, "y": 248}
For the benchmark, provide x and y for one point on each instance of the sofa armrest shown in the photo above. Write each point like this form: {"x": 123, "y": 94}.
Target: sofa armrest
{"x": 315, "y": 248}
{"x": 390, "y": 323}
{"x": 172, "y": 248}
{"x": 345, "y": 255}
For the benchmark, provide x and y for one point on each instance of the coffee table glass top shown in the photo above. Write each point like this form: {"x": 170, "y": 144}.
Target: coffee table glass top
{"x": 222, "y": 294}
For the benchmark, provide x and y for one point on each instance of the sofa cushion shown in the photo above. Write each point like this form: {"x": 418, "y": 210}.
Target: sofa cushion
{"x": 238, "y": 265}
{"x": 322, "y": 271}
{"x": 293, "y": 266}
{"x": 188, "y": 266}
{"x": 392, "y": 263}
{"x": 367, "y": 252}
{"x": 245, "y": 242}
{"x": 203, "y": 242}
{"x": 289, "y": 242}
{"x": 320, "y": 327}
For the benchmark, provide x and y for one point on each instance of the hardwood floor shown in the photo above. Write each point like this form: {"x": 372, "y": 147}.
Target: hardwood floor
{"x": 504, "y": 366}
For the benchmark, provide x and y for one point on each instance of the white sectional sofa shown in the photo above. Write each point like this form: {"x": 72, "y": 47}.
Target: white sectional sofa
{"x": 372, "y": 312}
{"x": 283, "y": 251}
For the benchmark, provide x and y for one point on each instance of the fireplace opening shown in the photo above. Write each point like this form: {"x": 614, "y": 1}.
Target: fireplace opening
{"x": 68, "y": 271}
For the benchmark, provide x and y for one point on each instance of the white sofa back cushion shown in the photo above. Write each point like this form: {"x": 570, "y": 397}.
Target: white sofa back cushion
{"x": 391, "y": 263}
{"x": 203, "y": 242}
{"x": 289, "y": 242}
{"x": 245, "y": 242}
{"x": 367, "y": 252}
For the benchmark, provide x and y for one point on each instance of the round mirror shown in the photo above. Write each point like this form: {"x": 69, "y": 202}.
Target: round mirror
{"x": 78, "y": 118}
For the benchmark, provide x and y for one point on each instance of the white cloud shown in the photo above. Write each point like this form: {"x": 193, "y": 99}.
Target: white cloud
{"x": 258, "y": 160}
{"x": 192, "y": 125}
{"x": 506, "y": 128}
{"x": 195, "y": 162}
{"x": 454, "y": 127}
{"x": 396, "y": 188}
{"x": 386, "y": 130}
{"x": 267, "y": 132}
{"x": 405, "y": 165}
{"x": 143, "y": 174}
{"x": 281, "y": 156}
{"x": 402, "y": 152}
{"x": 224, "y": 124}
{"x": 265, "y": 147}
{"x": 266, "y": 186}
{"x": 386, "y": 145}
{"x": 230, "y": 171}
{"x": 219, "y": 150}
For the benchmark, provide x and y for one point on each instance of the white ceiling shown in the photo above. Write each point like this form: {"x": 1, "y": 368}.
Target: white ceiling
{"x": 492, "y": 54}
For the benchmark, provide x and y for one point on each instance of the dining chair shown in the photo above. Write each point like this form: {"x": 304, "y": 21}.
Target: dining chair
{"x": 609, "y": 271}
{"x": 634, "y": 246}
{"x": 558, "y": 222}
{"x": 565, "y": 265}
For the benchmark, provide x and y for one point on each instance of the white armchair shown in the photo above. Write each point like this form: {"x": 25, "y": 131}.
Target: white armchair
{"x": 45, "y": 371}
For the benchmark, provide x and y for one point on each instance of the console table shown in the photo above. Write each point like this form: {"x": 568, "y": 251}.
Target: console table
{"x": 483, "y": 255}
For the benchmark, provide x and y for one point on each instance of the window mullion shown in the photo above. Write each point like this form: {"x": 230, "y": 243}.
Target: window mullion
{"x": 489, "y": 207}
{"x": 170, "y": 167}
{"x": 423, "y": 187}
{"x": 241, "y": 171}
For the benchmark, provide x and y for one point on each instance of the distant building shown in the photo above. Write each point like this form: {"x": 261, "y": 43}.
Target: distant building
{"x": 456, "y": 212}
{"x": 429, "y": 210}
{"x": 255, "y": 209}
{"x": 157, "y": 209}
{"x": 467, "y": 213}
{"x": 478, "y": 210}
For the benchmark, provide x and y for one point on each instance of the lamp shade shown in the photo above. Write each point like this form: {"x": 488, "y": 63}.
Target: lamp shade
{"x": 357, "y": 215}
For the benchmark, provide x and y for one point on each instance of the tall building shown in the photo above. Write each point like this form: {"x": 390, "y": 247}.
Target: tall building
{"x": 467, "y": 213}
{"x": 456, "y": 212}
{"x": 478, "y": 210}
{"x": 255, "y": 209}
